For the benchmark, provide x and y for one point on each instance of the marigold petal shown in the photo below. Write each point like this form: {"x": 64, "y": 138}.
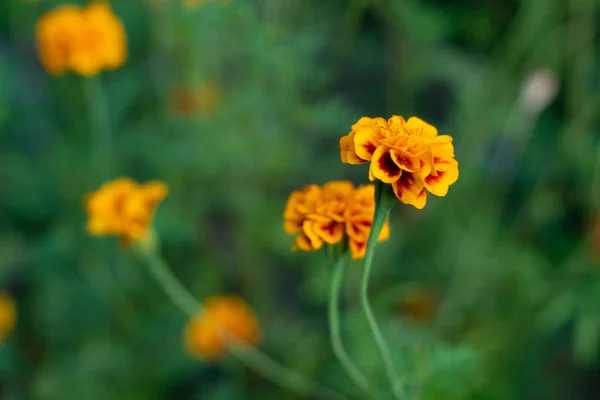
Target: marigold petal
{"x": 365, "y": 143}
{"x": 421, "y": 200}
{"x": 438, "y": 185}
{"x": 331, "y": 232}
{"x": 405, "y": 160}
{"x": 291, "y": 227}
{"x": 443, "y": 162}
{"x": 385, "y": 232}
{"x": 357, "y": 249}
{"x": 408, "y": 187}
{"x": 383, "y": 166}
{"x": 348, "y": 152}
{"x": 302, "y": 242}
{"x": 419, "y": 127}
{"x": 315, "y": 241}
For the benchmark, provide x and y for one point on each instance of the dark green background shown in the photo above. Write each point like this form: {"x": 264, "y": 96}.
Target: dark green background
{"x": 505, "y": 250}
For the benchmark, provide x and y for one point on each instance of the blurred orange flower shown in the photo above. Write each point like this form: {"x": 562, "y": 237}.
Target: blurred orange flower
{"x": 329, "y": 215}
{"x": 124, "y": 208}
{"x": 82, "y": 40}
{"x": 189, "y": 101}
{"x": 419, "y": 306}
{"x": 409, "y": 155}
{"x": 8, "y": 315}
{"x": 206, "y": 335}
{"x": 194, "y": 4}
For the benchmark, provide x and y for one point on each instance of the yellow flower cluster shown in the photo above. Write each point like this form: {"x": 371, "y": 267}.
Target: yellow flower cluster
{"x": 83, "y": 40}
{"x": 124, "y": 208}
{"x": 223, "y": 319}
{"x": 331, "y": 214}
{"x": 8, "y": 315}
{"x": 407, "y": 154}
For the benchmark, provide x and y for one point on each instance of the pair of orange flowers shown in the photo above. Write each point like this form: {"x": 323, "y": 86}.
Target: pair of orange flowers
{"x": 126, "y": 208}
{"x": 409, "y": 155}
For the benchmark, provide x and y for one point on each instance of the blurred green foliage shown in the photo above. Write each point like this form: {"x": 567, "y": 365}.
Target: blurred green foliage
{"x": 507, "y": 249}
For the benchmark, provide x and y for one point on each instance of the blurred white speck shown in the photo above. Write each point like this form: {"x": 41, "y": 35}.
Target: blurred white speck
{"x": 538, "y": 91}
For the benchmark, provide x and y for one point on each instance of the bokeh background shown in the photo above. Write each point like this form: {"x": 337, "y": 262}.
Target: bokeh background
{"x": 491, "y": 292}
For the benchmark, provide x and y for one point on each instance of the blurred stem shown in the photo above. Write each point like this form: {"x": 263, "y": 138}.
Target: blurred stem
{"x": 172, "y": 286}
{"x": 384, "y": 202}
{"x": 100, "y": 143}
{"x": 334, "y": 328}
{"x": 250, "y": 356}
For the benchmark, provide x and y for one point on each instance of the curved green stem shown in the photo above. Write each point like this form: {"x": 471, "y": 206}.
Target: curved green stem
{"x": 250, "y": 356}
{"x": 334, "y": 329}
{"x": 100, "y": 143}
{"x": 383, "y": 206}
{"x": 172, "y": 286}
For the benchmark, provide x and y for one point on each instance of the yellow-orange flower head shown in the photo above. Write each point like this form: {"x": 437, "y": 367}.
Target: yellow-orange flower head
{"x": 190, "y": 101}
{"x": 331, "y": 214}
{"x": 85, "y": 41}
{"x": 223, "y": 320}
{"x": 8, "y": 315}
{"x": 124, "y": 208}
{"x": 409, "y": 155}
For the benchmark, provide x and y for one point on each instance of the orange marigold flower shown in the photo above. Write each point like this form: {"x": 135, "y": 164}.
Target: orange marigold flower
{"x": 202, "y": 100}
{"x": 124, "y": 208}
{"x": 194, "y": 4}
{"x": 337, "y": 212}
{"x": 223, "y": 319}
{"x": 409, "y": 155}
{"x": 82, "y": 40}
{"x": 8, "y": 315}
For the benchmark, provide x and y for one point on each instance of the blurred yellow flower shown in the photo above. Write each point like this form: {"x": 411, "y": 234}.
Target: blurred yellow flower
{"x": 189, "y": 101}
{"x": 124, "y": 208}
{"x": 82, "y": 40}
{"x": 223, "y": 318}
{"x": 8, "y": 315}
{"x": 409, "y": 155}
{"x": 329, "y": 215}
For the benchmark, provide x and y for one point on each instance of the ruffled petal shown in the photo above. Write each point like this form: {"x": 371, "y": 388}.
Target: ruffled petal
{"x": 408, "y": 187}
{"x": 384, "y": 167}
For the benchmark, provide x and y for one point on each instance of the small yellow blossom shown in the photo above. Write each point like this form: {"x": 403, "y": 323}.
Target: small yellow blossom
{"x": 223, "y": 319}
{"x": 8, "y": 315}
{"x": 202, "y": 100}
{"x": 409, "y": 155}
{"x": 329, "y": 215}
{"x": 82, "y": 40}
{"x": 124, "y": 208}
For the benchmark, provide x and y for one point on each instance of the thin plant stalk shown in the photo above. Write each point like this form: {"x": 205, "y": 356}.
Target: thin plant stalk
{"x": 382, "y": 210}
{"x": 248, "y": 355}
{"x": 334, "y": 328}
{"x": 101, "y": 141}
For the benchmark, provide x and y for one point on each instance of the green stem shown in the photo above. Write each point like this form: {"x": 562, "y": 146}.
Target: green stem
{"x": 172, "y": 286}
{"x": 275, "y": 372}
{"x": 334, "y": 329}
{"x": 383, "y": 206}
{"x": 100, "y": 143}
{"x": 250, "y": 356}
